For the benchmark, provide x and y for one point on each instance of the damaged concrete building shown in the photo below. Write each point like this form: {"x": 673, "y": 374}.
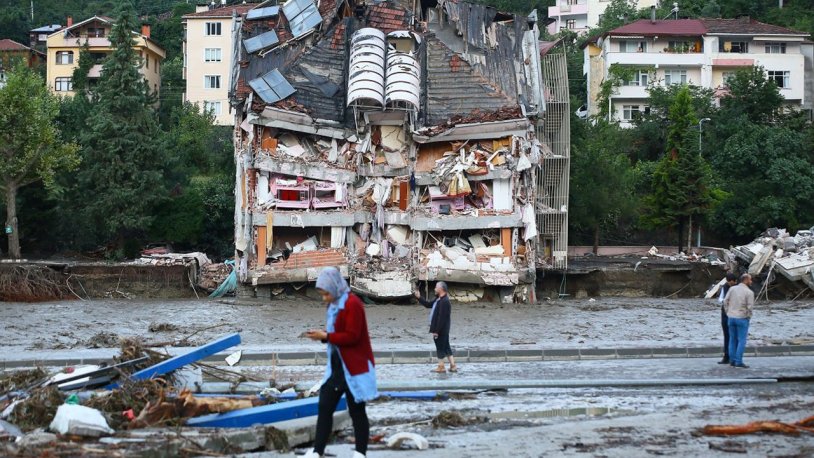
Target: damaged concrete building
{"x": 401, "y": 142}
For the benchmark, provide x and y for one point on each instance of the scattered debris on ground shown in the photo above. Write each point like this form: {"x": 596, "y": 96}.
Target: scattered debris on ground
{"x": 771, "y": 426}
{"x": 452, "y": 419}
{"x": 777, "y": 252}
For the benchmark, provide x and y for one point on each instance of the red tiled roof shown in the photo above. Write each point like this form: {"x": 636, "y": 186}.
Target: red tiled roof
{"x": 387, "y": 19}
{"x": 746, "y": 26}
{"x": 676, "y": 27}
{"x": 225, "y": 11}
{"x": 11, "y": 45}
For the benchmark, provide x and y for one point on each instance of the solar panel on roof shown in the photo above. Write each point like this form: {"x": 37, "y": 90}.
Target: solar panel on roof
{"x": 302, "y": 16}
{"x": 272, "y": 86}
{"x": 261, "y": 13}
{"x": 264, "y": 40}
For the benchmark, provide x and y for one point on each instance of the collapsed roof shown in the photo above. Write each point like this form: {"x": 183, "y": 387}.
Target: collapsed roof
{"x": 453, "y": 63}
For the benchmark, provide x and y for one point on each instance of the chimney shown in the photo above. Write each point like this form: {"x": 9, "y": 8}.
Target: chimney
{"x": 653, "y": 14}
{"x": 145, "y": 30}
{"x": 70, "y": 21}
{"x": 200, "y": 8}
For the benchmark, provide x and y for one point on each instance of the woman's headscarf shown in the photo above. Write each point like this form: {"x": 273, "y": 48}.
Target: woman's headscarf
{"x": 330, "y": 280}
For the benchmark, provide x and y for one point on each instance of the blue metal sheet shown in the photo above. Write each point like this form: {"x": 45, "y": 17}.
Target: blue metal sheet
{"x": 415, "y": 395}
{"x": 263, "y": 415}
{"x": 261, "y": 13}
{"x": 262, "y": 41}
{"x": 189, "y": 357}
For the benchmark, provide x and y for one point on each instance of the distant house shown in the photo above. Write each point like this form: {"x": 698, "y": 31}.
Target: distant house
{"x": 38, "y": 38}
{"x": 208, "y": 46}
{"x": 64, "y": 47}
{"x": 701, "y": 52}
{"x": 581, "y": 15}
{"x": 12, "y": 52}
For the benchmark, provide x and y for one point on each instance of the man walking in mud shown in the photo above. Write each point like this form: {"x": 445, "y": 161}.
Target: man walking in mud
{"x": 739, "y": 302}
{"x": 731, "y": 280}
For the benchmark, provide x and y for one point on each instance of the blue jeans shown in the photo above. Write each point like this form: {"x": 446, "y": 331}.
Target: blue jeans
{"x": 738, "y": 331}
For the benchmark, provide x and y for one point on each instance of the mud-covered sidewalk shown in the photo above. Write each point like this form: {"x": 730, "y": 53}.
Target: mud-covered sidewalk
{"x": 603, "y": 323}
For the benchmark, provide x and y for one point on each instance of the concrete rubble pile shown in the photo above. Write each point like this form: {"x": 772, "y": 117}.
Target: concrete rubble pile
{"x": 203, "y": 273}
{"x": 146, "y": 403}
{"x": 371, "y": 139}
{"x": 777, "y": 251}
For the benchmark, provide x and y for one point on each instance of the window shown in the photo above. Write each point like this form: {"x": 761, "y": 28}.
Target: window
{"x": 212, "y": 107}
{"x": 147, "y": 61}
{"x": 640, "y": 78}
{"x": 94, "y": 32}
{"x": 739, "y": 47}
{"x": 64, "y": 57}
{"x": 212, "y": 55}
{"x": 157, "y": 64}
{"x": 42, "y": 37}
{"x": 212, "y": 81}
{"x": 571, "y": 24}
{"x": 212, "y": 28}
{"x": 683, "y": 46}
{"x": 633, "y": 46}
{"x": 634, "y": 112}
{"x": 775, "y": 48}
{"x": 726, "y": 76}
{"x": 780, "y": 78}
{"x": 675, "y": 77}
{"x": 63, "y": 84}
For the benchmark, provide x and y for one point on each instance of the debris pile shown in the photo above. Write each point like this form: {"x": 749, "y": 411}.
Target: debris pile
{"x": 108, "y": 406}
{"x": 771, "y": 426}
{"x": 32, "y": 283}
{"x": 776, "y": 251}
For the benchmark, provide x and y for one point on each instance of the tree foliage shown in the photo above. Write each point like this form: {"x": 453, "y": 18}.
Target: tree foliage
{"x": 31, "y": 149}
{"x": 123, "y": 148}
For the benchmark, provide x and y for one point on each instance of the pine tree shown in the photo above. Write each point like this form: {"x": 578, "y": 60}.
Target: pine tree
{"x": 122, "y": 146}
{"x": 681, "y": 181}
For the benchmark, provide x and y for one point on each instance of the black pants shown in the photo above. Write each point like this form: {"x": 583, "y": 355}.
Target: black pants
{"x": 329, "y": 396}
{"x": 442, "y": 348}
{"x": 725, "y": 326}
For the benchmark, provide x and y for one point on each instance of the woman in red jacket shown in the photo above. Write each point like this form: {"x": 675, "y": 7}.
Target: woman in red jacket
{"x": 350, "y": 370}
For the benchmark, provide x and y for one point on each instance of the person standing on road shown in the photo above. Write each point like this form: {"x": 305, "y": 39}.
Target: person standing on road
{"x": 731, "y": 280}
{"x": 440, "y": 323}
{"x": 351, "y": 369}
{"x": 739, "y": 302}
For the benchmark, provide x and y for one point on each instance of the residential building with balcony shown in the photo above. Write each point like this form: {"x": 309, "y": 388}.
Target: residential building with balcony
{"x": 208, "y": 52}
{"x": 581, "y": 15}
{"x": 700, "y": 52}
{"x": 12, "y": 53}
{"x": 38, "y": 38}
{"x": 63, "y": 49}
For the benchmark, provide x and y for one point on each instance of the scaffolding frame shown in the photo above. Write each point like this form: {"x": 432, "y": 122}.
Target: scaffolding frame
{"x": 552, "y": 183}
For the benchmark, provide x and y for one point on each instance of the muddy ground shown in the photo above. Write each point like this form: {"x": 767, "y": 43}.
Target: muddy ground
{"x": 605, "y": 322}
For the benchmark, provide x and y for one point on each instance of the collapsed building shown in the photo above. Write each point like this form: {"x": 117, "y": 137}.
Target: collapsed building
{"x": 399, "y": 142}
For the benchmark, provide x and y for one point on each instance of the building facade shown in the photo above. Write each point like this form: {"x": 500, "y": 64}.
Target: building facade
{"x": 700, "y": 52}
{"x": 208, "y": 53}
{"x": 400, "y": 143}
{"x": 12, "y": 53}
{"x": 581, "y": 15}
{"x": 64, "y": 47}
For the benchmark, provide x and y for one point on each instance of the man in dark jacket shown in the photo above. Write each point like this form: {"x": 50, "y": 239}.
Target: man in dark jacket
{"x": 440, "y": 323}
{"x": 731, "y": 280}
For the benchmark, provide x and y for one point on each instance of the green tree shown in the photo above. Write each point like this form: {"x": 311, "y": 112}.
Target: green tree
{"x": 752, "y": 94}
{"x": 618, "y": 13}
{"x": 122, "y": 146}
{"x": 30, "y": 144}
{"x": 769, "y": 174}
{"x": 79, "y": 78}
{"x": 601, "y": 190}
{"x": 681, "y": 181}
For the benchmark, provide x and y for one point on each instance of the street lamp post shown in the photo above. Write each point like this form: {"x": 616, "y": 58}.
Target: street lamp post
{"x": 700, "y": 127}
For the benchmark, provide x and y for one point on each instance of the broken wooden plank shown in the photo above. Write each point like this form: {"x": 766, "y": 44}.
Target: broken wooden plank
{"x": 189, "y": 357}
{"x": 265, "y": 415}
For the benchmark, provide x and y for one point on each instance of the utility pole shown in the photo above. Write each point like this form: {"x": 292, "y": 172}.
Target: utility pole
{"x": 32, "y": 12}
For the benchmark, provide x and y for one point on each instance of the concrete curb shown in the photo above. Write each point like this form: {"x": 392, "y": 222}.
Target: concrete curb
{"x": 268, "y": 358}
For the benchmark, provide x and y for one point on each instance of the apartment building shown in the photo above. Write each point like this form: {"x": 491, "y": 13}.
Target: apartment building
{"x": 63, "y": 49}
{"x": 701, "y": 52}
{"x": 404, "y": 144}
{"x": 581, "y": 15}
{"x": 12, "y": 53}
{"x": 208, "y": 52}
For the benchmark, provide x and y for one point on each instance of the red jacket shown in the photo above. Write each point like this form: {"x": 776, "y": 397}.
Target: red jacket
{"x": 351, "y": 336}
